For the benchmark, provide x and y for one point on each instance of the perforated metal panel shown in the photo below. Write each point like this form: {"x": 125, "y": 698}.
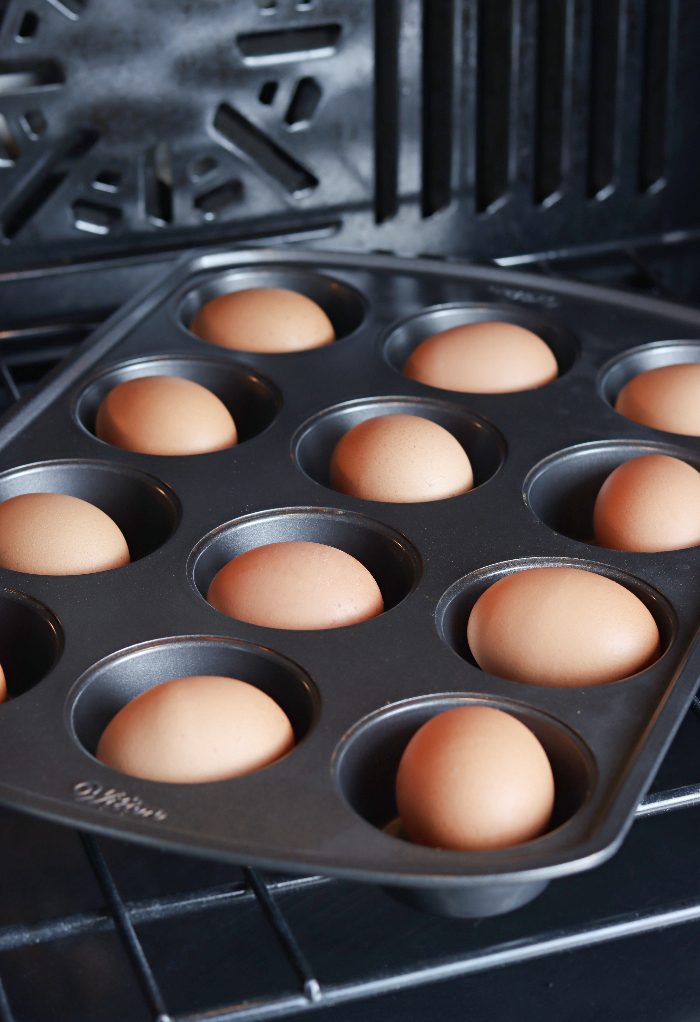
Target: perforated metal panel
{"x": 483, "y": 128}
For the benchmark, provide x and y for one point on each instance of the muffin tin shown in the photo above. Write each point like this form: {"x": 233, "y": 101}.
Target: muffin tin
{"x": 76, "y": 649}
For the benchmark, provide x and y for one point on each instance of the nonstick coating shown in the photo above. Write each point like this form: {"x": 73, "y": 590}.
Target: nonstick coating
{"x": 355, "y": 695}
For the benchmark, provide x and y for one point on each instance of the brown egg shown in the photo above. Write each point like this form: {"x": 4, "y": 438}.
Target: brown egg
{"x": 563, "y": 628}
{"x": 3, "y": 686}
{"x": 474, "y": 779}
{"x": 296, "y": 585}
{"x": 649, "y": 503}
{"x": 667, "y": 398}
{"x": 267, "y": 319}
{"x": 192, "y": 730}
{"x": 483, "y": 358}
{"x": 165, "y": 415}
{"x": 54, "y": 534}
{"x": 400, "y": 459}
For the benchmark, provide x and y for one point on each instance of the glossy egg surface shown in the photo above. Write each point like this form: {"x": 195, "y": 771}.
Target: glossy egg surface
{"x": 264, "y": 319}
{"x": 562, "y": 628}
{"x": 296, "y": 585}
{"x": 483, "y": 358}
{"x": 196, "y": 729}
{"x": 667, "y": 398}
{"x": 400, "y": 459}
{"x": 474, "y": 778}
{"x": 650, "y": 503}
{"x": 165, "y": 415}
{"x": 56, "y": 534}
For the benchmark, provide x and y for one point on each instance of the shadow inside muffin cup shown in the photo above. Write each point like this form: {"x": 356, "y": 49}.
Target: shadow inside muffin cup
{"x": 403, "y": 338}
{"x": 455, "y": 606}
{"x": 108, "y": 686}
{"x": 392, "y": 561}
{"x": 561, "y": 490}
{"x": 367, "y": 760}
{"x": 145, "y": 509}
{"x": 315, "y": 441}
{"x": 344, "y": 306}
{"x": 618, "y": 372}
{"x": 252, "y": 400}
{"x": 31, "y": 641}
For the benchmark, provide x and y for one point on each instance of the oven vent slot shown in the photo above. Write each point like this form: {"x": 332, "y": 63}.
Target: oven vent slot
{"x": 551, "y": 72}
{"x": 17, "y": 76}
{"x": 158, "y": 185}
{"x": 95, "y": 218}
{"x": 303, "y": 104}
{"x": 386, "y": 109}
{"x": 498, "y": 42}
{"x": 220, "y": 199}
{"x": 659, "y": 36}
{"x": 438, "y": 75}
{"x": 9, "y": 148}
{"x": 607, "y": 64}
{"x": 289, "y": 44}
{"x": 28, "y": 27}
{"x": 270, "y": 157}
{"x": 71, "y": 9}
{"x": 46, "y": 177}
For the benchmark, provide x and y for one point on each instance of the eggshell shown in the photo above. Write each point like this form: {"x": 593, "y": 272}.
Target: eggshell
{"x": 649, "y": 503}
{"x": 562, "y": 628}
{"x": 483, "y": 358}
{"x": 473, "y": 779}
{"x": 190, "y": 730}
{"x": 55, "y": 534}
{"x": 296, "y": 585}
{"x": 667, "y": 398}
{"x": 400, "y": 459}
{"x": 266, "y": 319}
{"x": 3, "y": 686}
{"x": 165, "y": 415}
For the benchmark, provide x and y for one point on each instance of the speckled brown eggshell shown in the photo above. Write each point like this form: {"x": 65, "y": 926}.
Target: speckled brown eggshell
{"x": 165, "y": 415}
{"x": 483, "y": 358}
{"x": 400, "y": 459}
{"x": 648, "y": 504}
{"x": 296, "y": 585}
{"x": 264, "y": 319}
{"x": 56, "y": 534}
{"x": 667, "y": 398}
{"x": 474, "y": 779}
{"x": 196, "y": 729}
{"x": 562, "y": 628}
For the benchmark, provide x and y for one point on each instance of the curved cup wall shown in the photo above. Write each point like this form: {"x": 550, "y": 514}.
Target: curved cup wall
{"x": 252, "y": 400}
{"x": 108, "y": 686}
{"x": 388, "y": 556}
{"x": 402, "y": 339}
{"x": 315, "y": 441}
{"x": 454, "y": 608}
{"x": 561, "y": 491}
{"x": 344, "y": 306}
{"x": 145, "y": 509}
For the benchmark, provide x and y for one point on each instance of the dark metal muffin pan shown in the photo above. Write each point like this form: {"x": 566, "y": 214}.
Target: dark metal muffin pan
{"x": 354, "y": 695}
